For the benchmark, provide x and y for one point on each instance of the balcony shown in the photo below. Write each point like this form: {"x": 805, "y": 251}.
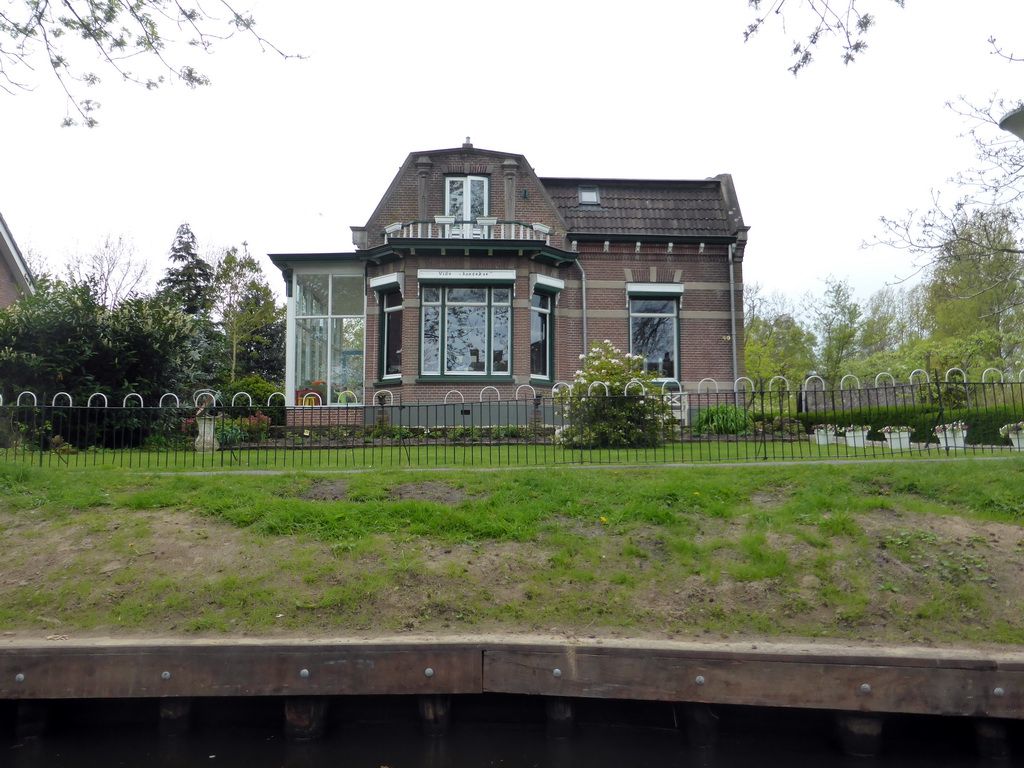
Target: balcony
{"x": 482, "y": 228}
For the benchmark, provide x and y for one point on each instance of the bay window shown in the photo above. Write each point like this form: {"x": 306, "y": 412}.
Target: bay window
{"x": 466, "y": 330}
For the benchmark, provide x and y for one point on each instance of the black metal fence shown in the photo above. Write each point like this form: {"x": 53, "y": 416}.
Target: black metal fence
{"x": 899, "y": 421}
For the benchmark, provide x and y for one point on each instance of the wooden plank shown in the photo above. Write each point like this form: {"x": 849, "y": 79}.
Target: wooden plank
{"x": 768, "y": 682}
{"x": 236, "y": 671}
{"x": 977, "y": 686}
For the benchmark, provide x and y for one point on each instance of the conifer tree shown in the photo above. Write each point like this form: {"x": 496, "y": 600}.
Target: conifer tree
{"x": 189, "y": 281}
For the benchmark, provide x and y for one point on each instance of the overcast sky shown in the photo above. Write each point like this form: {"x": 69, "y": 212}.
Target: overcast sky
{"x": 287, "y": 155}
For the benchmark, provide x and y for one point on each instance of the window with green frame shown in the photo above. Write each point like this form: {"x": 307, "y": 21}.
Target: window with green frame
{"x": 466, "y": 330}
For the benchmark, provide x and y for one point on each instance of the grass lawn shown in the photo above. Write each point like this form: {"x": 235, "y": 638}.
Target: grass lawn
{"x": 323, "y": 454}
{"x": 878, "y": 551}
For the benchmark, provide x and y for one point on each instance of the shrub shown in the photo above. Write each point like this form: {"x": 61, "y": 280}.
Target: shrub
{"x": 783, "y": 426}
{"x": 615, "y": 403}
{"x": 256, "y": 427}
{"x": 229, "y": 433}
{"x": 510, "y": 432}
{"x": 259, "y": 389}
{"x": 723, "y": 420}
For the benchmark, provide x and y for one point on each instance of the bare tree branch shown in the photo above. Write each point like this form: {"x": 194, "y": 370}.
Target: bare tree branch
{"x": 823, "y": 20}
{"x": 116, "y": 31}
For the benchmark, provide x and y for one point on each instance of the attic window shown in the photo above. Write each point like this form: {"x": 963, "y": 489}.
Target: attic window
{"x": 589, "y": 196}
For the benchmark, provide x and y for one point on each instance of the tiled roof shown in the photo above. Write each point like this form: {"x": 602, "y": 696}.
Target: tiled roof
{"x": 705, "y": 208}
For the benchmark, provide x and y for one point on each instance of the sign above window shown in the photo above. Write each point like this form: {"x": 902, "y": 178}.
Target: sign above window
{"x": 472, "y": 275}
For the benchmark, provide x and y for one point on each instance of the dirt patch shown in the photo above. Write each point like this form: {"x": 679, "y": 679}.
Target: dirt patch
{"x": 333, "y": 490}
{"x": 429, "y": 491}
{"x": 768, "y": 499}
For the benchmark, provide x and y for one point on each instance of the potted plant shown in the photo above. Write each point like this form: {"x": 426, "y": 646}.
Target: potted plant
{"x": 898, "y": 436}
{"x": 823, "y": 434}
{"x": 857, "y": 435}
{"x": 951, "y": 436}
{"x": 1014, "y": 431}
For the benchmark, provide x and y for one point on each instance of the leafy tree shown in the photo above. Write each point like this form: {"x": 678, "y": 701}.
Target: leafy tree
{"x": 244, "y": 303}
{"x": 835, "y": 320}
{"x": 61, "y": 338}
{"x": 975, "y": 281}
{"x": 190, "y": 282}
{"x": 892, "y": 318}
{"x": 777, "y": 341}
{"x": 118, "y": 33}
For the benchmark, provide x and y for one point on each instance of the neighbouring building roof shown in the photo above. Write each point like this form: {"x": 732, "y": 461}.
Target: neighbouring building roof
{"x": 11, "y": 256}
{"x": 629, "y": 207}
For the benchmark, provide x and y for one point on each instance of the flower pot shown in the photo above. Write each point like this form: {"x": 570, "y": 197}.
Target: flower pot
{"x": 1017, "y": 440}
{"x": 898, "y": 441}
{"x": 823, "y": 438}
{"x": 857, "y": 438}
{"x": 952, "y": 439}
{"x": 207, "y": 440}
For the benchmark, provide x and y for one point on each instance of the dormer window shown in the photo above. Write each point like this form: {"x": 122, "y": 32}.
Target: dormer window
{"x": 589, "y": 196}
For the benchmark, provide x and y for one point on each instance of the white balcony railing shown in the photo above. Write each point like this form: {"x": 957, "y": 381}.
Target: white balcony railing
{"x": 483, "y": 228}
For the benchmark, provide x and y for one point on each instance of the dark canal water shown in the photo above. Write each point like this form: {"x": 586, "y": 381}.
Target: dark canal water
{"x": 640, "y": 738}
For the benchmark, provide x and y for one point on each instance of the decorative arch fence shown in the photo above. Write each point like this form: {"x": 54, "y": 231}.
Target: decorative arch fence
{"x": 930, "y": 414}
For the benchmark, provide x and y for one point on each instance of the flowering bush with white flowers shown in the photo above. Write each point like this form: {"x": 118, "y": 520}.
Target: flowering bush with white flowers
{"x": 614, "y": 403}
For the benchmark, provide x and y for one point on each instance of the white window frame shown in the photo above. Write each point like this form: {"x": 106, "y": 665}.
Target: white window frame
{"x": 387, "y": 313}
{"x": 546, "y": 313}
{"x": 669, "y": 291}
{"x": 291, "y": 377}
{"x": 466, "y": 226}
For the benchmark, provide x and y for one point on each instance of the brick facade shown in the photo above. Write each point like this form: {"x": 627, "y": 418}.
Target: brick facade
{"x": 9, "y": 291}
{"x": 675, "y": 234}
{"x": 14, "y": 275}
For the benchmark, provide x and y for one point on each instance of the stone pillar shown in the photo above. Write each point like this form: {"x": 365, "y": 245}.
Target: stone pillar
{"x": 511, "y": 170}
{"x": 423, "y": 166}
{"x": 207, "y": 441}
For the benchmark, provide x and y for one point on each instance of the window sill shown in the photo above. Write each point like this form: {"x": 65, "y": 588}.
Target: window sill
{"x": 479, "y": 379}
